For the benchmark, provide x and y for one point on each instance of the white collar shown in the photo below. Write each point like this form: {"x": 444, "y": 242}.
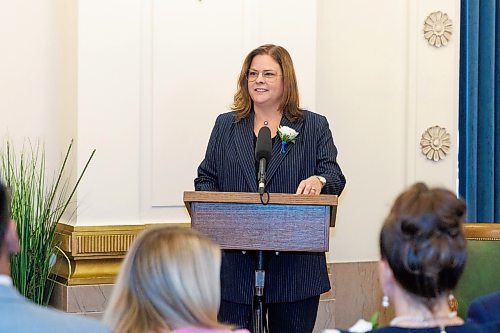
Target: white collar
{"x": 5, "y": 280}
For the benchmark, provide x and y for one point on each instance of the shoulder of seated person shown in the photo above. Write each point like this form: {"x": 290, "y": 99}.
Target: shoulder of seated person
{"x": 70, "y": 322}
{"x": 493, "y": 326}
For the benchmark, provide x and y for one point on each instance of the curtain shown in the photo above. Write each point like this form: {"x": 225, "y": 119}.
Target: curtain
{"x": 479, "y": 118}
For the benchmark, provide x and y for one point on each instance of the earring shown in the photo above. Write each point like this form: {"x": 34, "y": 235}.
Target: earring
{"x": 452, "y": 303}
{"x": 385, "y": 301}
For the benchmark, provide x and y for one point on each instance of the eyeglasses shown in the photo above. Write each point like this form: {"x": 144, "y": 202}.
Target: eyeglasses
{"x": 268, "y": 75}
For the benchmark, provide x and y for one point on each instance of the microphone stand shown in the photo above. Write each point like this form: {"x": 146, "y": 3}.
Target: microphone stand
{"x": 262, "y": 181}
{"x": 263, "y": 151}
{"x": 258, "y": 301}
{"x": 259, "y": 319}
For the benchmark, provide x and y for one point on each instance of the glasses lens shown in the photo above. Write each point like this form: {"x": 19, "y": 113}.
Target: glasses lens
{"x": 268, "y": 76}
{"x": 252, "y": 75}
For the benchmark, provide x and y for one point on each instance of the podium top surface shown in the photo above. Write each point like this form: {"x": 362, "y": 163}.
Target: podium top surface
{"x": 254, "y": 198}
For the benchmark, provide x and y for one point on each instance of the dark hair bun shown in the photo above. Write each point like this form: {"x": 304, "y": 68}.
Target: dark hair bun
{"x": 422, "y": 241}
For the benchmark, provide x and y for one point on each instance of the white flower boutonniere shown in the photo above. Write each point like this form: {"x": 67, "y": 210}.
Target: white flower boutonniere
{"x": 287, "y": 135}
{"x": 361, "y": 326}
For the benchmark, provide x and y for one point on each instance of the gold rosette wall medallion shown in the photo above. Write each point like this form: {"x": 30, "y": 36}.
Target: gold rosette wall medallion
{"x": 438, "y": 28}
{"x": 435, "y": 143}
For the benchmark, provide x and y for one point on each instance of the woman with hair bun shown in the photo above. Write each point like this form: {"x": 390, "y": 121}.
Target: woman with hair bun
{"x": 423, "y": 254}
{"x": 169, "y": 282}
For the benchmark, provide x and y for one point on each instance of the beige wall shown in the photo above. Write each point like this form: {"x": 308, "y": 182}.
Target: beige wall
{"x": 109, "y": 82}
{"x": 130, "y": 77}
{"x": 381, "y": 85}
{"x": 37, "y": 80}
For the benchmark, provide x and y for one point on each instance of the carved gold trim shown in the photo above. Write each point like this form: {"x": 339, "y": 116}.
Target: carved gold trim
{"x": 93, "y": 254}
{"x": 482, "y": 231}
{"x": 91, "y": 244}
{"x": 87, "y": 272}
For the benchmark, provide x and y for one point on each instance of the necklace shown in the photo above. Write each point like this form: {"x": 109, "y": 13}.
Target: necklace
{"x": 427, "y": 321}
{"x": 266, "y": 123}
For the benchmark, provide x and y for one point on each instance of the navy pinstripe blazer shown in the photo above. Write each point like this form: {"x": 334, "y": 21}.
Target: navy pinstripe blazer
{"x": 229, "y": 166}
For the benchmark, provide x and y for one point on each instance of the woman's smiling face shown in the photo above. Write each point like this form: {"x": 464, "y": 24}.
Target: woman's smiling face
{"x": 267, "y": 90}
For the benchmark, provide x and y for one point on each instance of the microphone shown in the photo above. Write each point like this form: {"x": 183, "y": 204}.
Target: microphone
{"x": 263, "y": 149}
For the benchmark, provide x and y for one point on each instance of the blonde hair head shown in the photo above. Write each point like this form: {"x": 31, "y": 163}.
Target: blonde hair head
{"x": 169, "y": 279}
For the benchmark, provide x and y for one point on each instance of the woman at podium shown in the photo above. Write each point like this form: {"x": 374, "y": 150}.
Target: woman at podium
{"x": 303, "y": 161}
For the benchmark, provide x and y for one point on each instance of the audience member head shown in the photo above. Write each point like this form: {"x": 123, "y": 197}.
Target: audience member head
{"x": 9, "y": 243}
{"x": 169, "y": 279}
{"x": 4, "y": 213}
{"x": 422, "y": 246}
{"x": 290, "y": 100}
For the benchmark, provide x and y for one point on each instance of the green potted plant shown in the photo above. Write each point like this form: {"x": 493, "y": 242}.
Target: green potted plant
{"x": 37, "y": 205}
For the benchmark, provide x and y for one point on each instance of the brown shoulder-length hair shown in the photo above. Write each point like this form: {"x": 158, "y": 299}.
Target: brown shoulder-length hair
{"x": 289, "y": 105}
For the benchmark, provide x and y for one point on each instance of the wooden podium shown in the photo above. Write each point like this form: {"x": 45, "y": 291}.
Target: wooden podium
{"x": 289, "y": 222}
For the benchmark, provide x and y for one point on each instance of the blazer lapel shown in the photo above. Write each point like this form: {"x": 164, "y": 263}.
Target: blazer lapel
{"x": 278, "y": 157}
{"x": 245, "y": 149}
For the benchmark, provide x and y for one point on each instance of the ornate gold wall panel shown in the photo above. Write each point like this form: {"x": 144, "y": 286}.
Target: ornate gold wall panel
{"x": 93, "y": 254}
{"x": 482, "y": 231}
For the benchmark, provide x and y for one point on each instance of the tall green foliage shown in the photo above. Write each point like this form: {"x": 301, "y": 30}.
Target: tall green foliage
{"x": 38, "y": 203}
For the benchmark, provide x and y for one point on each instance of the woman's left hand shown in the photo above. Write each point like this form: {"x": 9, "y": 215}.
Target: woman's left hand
{"x": 311, "y": 185}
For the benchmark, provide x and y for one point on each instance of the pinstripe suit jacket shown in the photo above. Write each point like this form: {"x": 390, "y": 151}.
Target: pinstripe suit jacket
{"x": 229, "y": 166}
